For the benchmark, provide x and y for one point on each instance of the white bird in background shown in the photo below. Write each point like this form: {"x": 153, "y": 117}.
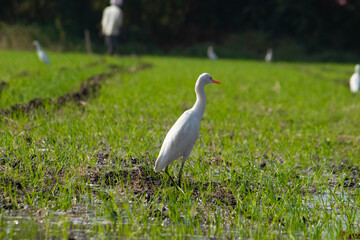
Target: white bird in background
{"x": 211, "y": 54}
{"x": 41, "y": 54}
{"x": 355, "y": 80}
{"x": 268, "y": 56}
{"x": 182, "y": 136}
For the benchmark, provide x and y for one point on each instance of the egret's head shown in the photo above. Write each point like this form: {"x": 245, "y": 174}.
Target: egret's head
{"x": 210, "y": 48}
{"x": 357, "y": 67}
{"x": 206, "y": 78}
{"x": 36, "y": 43}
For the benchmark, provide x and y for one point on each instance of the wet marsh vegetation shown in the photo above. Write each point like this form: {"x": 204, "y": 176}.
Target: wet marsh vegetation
{"x": 277, "y": 157}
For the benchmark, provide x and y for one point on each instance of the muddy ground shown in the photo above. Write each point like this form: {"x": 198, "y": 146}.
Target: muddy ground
{"x": 141, "y": 178}
{"x": 138, "y": 175}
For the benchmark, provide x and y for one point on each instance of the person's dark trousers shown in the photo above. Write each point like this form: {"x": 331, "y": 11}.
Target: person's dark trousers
{"x": 111, "y": 42}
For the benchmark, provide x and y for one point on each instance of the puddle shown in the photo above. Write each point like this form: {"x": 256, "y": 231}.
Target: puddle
{"x": 82, "y": 221}
{"x": 340, "y": 207}
{"x": 328, "y": 200}
{"x": 85, "y": 220}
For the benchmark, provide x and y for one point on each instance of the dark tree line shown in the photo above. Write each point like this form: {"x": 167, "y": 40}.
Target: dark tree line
{"x": 167, "y": 23}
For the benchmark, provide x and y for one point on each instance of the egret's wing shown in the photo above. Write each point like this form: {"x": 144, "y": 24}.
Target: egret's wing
{"x": 212, "y": 55}
{"x": 268, "y": 57}
{"x": 354, "y": 82}
{"x": 179, "y": 140}
{"x": 43, "y": 57}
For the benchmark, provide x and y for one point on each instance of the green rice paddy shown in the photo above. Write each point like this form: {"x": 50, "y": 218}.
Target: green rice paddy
{"x": 277, "y": 157}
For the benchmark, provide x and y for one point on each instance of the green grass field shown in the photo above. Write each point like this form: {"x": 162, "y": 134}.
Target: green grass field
{"x": 277, "y": 157}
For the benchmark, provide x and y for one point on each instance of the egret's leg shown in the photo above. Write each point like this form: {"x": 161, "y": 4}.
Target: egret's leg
{"x": 175, "y": 185}
{"x": 166, "y": 170}
{"x": 181, "y": 168}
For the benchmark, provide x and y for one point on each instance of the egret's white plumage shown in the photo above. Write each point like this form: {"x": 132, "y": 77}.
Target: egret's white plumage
{"x": 355, "y": 79}
{"x": 182, "y": 136}
{"x": 41, "y": 54}
{"x": 269, "y": 55}
{"x": 211, "y": 54}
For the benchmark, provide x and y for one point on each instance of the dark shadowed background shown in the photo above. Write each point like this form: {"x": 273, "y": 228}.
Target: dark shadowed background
{"x": 318, "y": 30}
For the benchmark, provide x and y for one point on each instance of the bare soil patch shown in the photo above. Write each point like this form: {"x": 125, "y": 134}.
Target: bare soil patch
{"x": 142, "y": 180}
{"x": 138, "y": 176}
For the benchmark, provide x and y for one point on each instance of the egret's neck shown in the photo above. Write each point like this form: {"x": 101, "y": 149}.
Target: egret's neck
{"x": 199, "y": 106}
{"x": 38, "y": 48}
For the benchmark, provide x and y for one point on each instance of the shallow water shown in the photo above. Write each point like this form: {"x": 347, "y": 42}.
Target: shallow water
{"x": 84, "y": 221}
{"x": 340, "y": 207}
{"x": 328, "y": 200}
{"x": 80, "y": 222}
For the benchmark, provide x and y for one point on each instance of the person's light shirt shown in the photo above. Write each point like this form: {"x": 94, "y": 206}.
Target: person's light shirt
{"x": 111, "y": 21}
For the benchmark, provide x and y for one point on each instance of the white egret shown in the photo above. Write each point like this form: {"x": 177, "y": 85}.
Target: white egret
{"x": 41, "y": 54}
{"x": 268, "y": 56}
{"x": 182, "y": 136}
{"x": 211, "y": 54}
{"x": 355, "y": 80}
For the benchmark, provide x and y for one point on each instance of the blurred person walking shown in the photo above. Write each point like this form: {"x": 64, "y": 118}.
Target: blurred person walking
{"x": 111, "y": 22}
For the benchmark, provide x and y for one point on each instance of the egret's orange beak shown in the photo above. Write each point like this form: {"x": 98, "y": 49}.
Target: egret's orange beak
{"x": 215, "y": 81}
